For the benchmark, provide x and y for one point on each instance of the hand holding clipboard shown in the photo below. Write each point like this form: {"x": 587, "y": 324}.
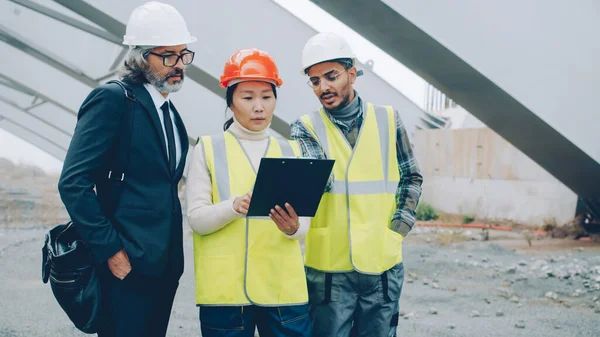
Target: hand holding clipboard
{"x": 286, "y": 219}
{"x": 299, "y": 182}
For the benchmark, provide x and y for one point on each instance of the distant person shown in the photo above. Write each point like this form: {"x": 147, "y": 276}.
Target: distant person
{"x": 137, "y": 243}
{"x": 354, "y": 246}
{"x": 249, "y": 271}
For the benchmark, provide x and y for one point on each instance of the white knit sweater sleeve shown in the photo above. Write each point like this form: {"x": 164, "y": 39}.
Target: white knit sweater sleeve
{"x": 302, "y": 230}
{"x": 204, "y": 217}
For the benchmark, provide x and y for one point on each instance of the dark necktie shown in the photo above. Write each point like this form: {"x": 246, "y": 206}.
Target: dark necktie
{"x": 170, "y": 136}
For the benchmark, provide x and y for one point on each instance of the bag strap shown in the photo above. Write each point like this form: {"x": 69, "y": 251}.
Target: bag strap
{"x": 117, "y": 169}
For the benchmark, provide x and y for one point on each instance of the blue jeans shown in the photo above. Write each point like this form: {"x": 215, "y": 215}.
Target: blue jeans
{"x": 354, "y": 304}
{"x": 284, "y": 321}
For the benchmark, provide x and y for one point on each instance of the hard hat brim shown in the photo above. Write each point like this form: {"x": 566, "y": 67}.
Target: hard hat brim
{"x": 131, "y": 41}
{"x": 231, "y": 81}
{"x": 304, "y": 70}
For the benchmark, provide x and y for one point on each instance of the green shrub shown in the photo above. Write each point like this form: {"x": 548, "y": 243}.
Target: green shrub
{"x": 468, "y": 219}
{"x": 426, "y": 212}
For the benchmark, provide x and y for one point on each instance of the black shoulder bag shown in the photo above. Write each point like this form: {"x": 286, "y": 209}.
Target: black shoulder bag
{"x": 66, "y": 260}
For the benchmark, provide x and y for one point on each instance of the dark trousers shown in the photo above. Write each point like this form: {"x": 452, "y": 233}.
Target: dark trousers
{"x": 354, "y": 304}
{"x": 284, "y": 321}
{"x": 138, "y": 305}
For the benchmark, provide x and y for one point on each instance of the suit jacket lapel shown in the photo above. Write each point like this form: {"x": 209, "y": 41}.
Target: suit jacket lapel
{"x": 144, "y": 98}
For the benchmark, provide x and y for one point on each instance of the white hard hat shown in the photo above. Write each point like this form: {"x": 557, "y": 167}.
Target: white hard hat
{"x": 324, "y": 47}
{"x": 156, "y": 24}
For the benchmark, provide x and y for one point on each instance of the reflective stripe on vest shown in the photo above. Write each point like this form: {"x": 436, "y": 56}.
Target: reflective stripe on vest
{"x": 339, "y": 186}
{"x": 364, "y": 187}
{"x": 218, "y": 143}
{"x": 248, "y": 261}
{"x": 362, "y": 199}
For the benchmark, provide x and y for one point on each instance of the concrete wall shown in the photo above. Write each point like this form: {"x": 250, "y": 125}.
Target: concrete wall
{"x": 476, "y": 172}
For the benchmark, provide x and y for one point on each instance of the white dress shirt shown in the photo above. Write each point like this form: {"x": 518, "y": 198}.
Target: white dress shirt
{"x": 159, "y": 100}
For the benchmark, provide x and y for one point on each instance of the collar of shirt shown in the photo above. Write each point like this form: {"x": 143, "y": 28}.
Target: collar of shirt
{"x": 157, "y": 98}
{"x": 356, "y": 122}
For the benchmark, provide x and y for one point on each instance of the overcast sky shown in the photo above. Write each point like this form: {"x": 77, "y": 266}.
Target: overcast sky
{"x": 411, "y": 85}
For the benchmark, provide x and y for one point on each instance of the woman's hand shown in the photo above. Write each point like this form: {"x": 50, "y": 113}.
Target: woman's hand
{"x": 241, "y": 204}
{"x": 287, "y": 222}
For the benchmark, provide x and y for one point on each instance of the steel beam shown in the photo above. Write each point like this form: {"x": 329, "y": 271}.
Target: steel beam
{"x": 16, "y": 106}
{"x": 27, "y": 134}
{"x": 29, "y": 91}
{"x": 4, "y": 33}
{"x": 486, "y": 100}
{"x": 198, "y": 75}
{"x": 68, "y": 20}
{"x": 36, "y": 102}
{"x": 437, "y": 122}
{"x": 29, "y": 47}
{"x": 49, "y": 140}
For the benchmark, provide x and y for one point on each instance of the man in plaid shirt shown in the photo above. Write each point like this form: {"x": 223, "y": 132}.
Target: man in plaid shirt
{"x": 351, "y": 302}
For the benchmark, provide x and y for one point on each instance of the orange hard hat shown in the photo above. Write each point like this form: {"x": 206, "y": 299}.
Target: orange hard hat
{"x": 250, "y": 65}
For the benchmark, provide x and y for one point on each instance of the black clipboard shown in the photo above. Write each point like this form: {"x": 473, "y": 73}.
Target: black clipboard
{"x": 297, "y": 181}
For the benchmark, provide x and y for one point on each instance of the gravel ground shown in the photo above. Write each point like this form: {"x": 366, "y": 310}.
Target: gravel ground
{"x": 476, "y": 288}
{"x": 500, "y": 287}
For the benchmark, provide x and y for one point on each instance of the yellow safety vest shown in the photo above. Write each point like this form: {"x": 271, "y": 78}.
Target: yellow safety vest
{"x": 249, "y": 261}
{"x": 351, "y": 228}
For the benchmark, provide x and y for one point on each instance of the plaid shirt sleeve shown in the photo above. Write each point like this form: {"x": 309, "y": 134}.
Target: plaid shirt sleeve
{"x": 309, "y": 145}
{"x": 409, "y": 188}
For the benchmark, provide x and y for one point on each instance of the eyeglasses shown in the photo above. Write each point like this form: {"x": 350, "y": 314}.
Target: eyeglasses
{"x": 171, "y": 60}
{"x": 315, "y": 82}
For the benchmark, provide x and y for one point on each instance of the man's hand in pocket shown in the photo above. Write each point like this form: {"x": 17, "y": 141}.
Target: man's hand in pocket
{"x": 119, "y": 264}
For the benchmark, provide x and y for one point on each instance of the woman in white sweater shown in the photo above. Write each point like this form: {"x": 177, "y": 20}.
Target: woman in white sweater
{"x": 249, "y": 271}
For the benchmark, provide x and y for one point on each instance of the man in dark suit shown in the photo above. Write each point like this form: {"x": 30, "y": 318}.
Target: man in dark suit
{"x": 137, "y": 243}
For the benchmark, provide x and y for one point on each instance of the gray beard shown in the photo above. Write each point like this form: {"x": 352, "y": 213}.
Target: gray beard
{"x": 161, "y": 83}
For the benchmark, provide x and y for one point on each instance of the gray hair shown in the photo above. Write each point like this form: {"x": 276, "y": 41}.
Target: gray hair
{"x": 134, "y": 68}
{"x": 137, "y": 70}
